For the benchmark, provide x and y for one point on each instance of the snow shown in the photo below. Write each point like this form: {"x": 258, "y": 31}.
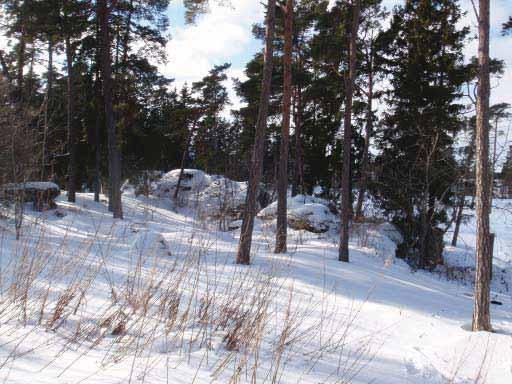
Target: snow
{"x": 304, "y": 212}
{"x": 270, "y": 212}
{"x": 169, "y": 285}
{"x": 37, "y": 185}
{"x": 463, "y": 256}
{"x": 223, "y": 195}
{"x": 193, "y": 181}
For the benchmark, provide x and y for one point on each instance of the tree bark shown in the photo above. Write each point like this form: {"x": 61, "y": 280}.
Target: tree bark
{"x": 298, "y": 187}
{"x": 48, "y": 99}
{"x": 244, "y": 247}
{"x": 71, "y": 125}
{"x": 114, "y": 155}
{"x": 97, "y": 141}
{"x": 347, "y": 136}
{"x": 282, "y": 184}
{"x": 368, "y": 134}
{"x": 184, "y": 157}
{"x": 462, "y": 195}
{"x": 481, "y": 312}
{"x": 21, "y": 62}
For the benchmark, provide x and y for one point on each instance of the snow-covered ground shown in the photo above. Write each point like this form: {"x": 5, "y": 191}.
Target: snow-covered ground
{"x": 501, "y": 225}
{"x": 157, "y": 298}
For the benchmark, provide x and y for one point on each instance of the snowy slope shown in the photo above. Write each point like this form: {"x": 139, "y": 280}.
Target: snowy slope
{"x": 501, "y": 226}
{"x": 156, "y": 298}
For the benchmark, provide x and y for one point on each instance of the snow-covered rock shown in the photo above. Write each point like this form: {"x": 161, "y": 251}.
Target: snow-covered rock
{"x": 193, "y": 181}
{"x": 312, "y": 217}
{"x": 304, "y": 212}
{"x": 223, "y": 197}
{"x": 41, "y": 193}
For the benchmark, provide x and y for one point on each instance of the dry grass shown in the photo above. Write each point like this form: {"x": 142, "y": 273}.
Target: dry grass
{"x": 145, "y": 306}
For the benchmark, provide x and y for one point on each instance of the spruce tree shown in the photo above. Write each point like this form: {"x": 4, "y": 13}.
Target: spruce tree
{"x": 424, "y": 59}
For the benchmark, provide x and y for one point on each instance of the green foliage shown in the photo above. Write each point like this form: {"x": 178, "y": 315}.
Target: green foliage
{"x": 416, "y": 167}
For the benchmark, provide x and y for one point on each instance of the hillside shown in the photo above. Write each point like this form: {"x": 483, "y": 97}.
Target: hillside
{"x": 157, "y": 298}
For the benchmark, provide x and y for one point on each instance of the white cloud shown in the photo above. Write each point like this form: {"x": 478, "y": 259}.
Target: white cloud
{"x": 219, "y": 36}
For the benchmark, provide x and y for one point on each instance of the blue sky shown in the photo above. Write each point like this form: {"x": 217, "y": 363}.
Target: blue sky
{"x": 224, "y": 35}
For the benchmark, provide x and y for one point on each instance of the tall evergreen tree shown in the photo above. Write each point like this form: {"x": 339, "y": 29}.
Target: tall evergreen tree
{"x": 104, "y": 9}
{"x": 210, "y": 151}
{"x": 481, "y": 311}
{"x": 347, "y": 134}
{"x": 244, "y": 247}
{"x": 416, "y": 167}
{"x": 282, "y": 186}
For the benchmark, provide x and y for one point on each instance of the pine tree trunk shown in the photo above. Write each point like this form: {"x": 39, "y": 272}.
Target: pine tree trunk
{"x": 70, "y": 124}
{"x": 458, "y": 219}
{"x": 347, "y": 137}
{"x": 282, "y": 184}
{"x": 244, "y": 247}
{"x": 47, "y": 107}
{"x": 493, "y": 166}
{"x": 462, "y": 195}
{"x": 114, "y": 155}
{"x": 368, "y": 134}
{"x": 97, "y": 141}
{"x": 298, "y": 187}
{"x": 21, "y": 62}
{"x": 184, "y": 157}
{"x": 481, "y": 313}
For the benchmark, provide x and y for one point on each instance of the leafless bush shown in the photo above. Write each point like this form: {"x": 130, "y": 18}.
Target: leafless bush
{"x": 18, "y": 150}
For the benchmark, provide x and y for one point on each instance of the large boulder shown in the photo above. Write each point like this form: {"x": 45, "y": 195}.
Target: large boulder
{"x": 41, "y": 193}
{"x": 308, "y": 213}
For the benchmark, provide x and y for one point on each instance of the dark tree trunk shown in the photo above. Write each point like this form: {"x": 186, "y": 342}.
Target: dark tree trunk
{"x": 114, "y": 155}
{"x": 184, "y": 157}
{"x": 244, "y": 247}
{"x": 462, "y": 195}
{"x": 458, "y": 219}
{"x": 47, "y": 107}
{"x": 70, "y": 124}
{"x": 299, "y": 151}
{"x": 481, "y": 313}
{"x": 97, "y": 140}
{"x": 21, "y": 63}
{"x": 368, "y": 134}
{"x": 347, "y": 136}
{"x": 282, "y": 183}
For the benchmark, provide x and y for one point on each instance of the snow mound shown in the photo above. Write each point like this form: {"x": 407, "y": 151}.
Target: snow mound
{"x": 312, "y": 217}
{"x": 304, "y": 213}
{"x": 297, "y": 201}
{"x": 32, "y": 185}
{"x": 192, "y": 182}
{"x": 223, "y": 197}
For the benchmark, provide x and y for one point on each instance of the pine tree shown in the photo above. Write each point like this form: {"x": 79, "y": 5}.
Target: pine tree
{"x": 282, "y": 184}
{"x": 114, "y": 156}
{"x": 244, "y": 247}
{"x": 347, "y": 135}
{"x": 507, "y": 26}
{"x": 481, "y": 311}
{"x": 416, "y": 168}
{"x": 371, "y": 68}
{"x": 209, "y": 141}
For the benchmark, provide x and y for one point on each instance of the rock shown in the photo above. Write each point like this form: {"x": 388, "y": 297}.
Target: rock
{"x": 41, "y": 193}
{"x": 193, "y": 181}
{"x": 312, "y": 217}
{"x": 223, "y": 197}
{"x": 304, "y": 213}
